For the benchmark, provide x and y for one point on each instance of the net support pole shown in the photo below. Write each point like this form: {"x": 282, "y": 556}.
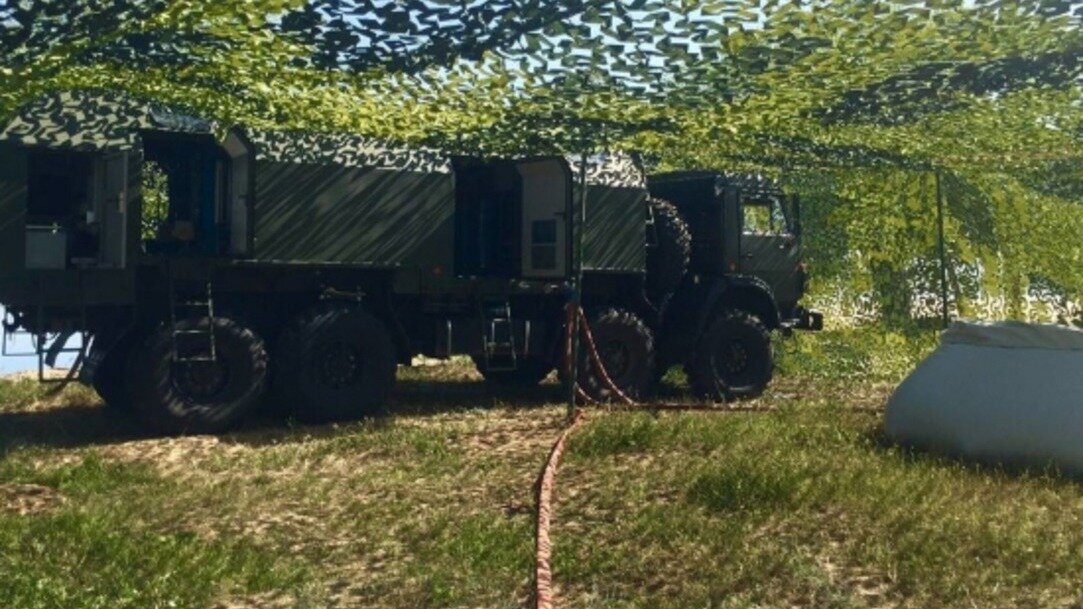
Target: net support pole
{"x": 942, "y": 251}
{"x": 579, "y": 222}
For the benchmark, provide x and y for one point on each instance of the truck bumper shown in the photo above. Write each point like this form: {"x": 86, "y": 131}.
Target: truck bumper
{"x": 808, "y": 319}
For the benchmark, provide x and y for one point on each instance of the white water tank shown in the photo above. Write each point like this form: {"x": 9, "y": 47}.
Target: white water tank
{"x": 1009, "y": 393}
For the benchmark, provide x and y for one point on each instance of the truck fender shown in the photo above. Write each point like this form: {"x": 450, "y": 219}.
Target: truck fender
{"x": 694, "y": 305}
{"x": 743, "y": 292}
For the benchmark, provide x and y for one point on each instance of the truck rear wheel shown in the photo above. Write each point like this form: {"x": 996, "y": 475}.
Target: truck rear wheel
{"x": 529, "y": 373}
{"x": 733, "y": 360}
{"x": 197, "y": 396}
{"x": 626, "y": 347}
{"x": 667, "y": 259}
{"x": 110, "y": 382}
{"x": 334, "y": 363}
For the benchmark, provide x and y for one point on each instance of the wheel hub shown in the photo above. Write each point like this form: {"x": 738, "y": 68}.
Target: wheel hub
{"x": 200, "y": 381}
{"x": 617, "y": 358}
{"x": 341, "y": 365}
{"x": 732, "y": 357}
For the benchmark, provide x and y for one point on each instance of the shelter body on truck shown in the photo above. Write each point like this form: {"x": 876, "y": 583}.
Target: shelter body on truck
{"x": 207, "y": 275}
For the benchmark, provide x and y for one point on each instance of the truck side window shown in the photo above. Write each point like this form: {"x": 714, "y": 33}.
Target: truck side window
{"x": 757, "y": 218}
{"x": 155, "y": 190}
{"x": 764, "y": 217}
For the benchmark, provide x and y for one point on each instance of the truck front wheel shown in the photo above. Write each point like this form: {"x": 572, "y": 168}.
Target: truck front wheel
{"x": 192, "y": 392}
{"x": 734, "y": 359}
{"x": 336, "y": 362}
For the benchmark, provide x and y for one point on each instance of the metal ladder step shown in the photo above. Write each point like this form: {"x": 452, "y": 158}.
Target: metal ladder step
{"x": 210, "y": 352}
{"x": 498, "y": 341}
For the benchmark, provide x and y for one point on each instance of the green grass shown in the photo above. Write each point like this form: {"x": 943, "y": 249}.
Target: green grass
{"x": 803, "y": 506}
{"x": 96, "y": 549}
{"x": 806, "y": 507}
{"x": 18, "y": 394}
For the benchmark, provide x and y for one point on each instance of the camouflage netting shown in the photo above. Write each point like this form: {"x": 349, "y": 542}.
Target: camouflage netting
{"x": 103, "y": 122}
{"x": 856, "y": 106}
{"x": 94, "y": 122}
{"x": 611, "y": 169}
{"x": 344, "y": 149}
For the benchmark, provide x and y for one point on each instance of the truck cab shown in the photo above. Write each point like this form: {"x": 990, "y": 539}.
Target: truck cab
{"x": 745, "y": 279}
{"x": 746, "y": 228}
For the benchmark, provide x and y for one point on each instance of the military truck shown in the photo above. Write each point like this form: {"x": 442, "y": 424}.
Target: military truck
{"x": 207, "y": 271}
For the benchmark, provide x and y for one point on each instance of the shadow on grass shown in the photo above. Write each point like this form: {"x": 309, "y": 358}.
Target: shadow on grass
{"x": 436, "y": 397}
{"x": 68, "y": 426}
{"x": 88, "y": 423}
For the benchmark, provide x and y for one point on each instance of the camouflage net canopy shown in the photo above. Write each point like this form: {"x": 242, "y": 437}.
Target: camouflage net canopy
{"x": 856, "y": 106}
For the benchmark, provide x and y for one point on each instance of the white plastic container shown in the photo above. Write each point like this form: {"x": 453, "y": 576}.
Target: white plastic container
{"x": 1008, "y": 393}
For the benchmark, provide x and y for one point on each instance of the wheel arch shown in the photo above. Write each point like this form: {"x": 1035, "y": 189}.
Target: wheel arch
{"x": 750, "y": 294}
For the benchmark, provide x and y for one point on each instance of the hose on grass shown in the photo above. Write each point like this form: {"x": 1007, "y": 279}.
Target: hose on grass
{"x": 544, "y": 595}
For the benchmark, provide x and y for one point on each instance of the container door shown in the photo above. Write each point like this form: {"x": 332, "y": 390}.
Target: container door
{"x": 546, "y": 199}
{"x": 13, "y": 192}
{"x": 240, "y": 193}
{"x": 112, "y": 204}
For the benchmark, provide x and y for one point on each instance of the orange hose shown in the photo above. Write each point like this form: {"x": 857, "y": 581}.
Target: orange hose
{"x": 544, "y": 595}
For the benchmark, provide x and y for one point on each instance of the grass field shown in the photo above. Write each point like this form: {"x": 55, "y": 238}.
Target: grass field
{"x": 802, "y": 506}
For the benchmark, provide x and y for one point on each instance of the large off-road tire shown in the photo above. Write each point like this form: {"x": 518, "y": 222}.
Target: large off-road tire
{"x": 667, "y": 259}
{"x": 529, "y": 373}
{"x": 734, "y": 358}
{"x": 626, "y": 347}
{"x": 110, "y": 380}
{"x": 335, "y": 362}
{"x": 178, "y": 397}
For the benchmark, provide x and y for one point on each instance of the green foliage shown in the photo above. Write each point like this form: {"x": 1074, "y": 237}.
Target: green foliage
{"x": 155, "y": 198}
{"x": 865, "y": 353}
{"x": 854, "y": 103}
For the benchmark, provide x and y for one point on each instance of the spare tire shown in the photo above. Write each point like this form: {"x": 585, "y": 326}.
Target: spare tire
{"x": 336, "y": 362}
{"x": 668, "y": 256}
{"x": 197, "y": 396}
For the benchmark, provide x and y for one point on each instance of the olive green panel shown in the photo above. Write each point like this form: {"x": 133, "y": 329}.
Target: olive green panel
{"x": 615, "y": 236}
{"x": 350, "y": 215}
{"x": 12, "y": 212}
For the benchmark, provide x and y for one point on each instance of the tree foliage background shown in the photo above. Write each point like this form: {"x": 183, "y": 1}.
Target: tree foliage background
{"x": 853, "y": 105}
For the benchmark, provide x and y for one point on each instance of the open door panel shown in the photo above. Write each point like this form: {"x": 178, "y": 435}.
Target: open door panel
{"x": 546, "y": 204}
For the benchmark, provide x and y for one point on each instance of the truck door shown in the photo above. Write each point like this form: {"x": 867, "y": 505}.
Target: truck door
{"x": 769, "y": 248}
{"x": 546, "y": 207}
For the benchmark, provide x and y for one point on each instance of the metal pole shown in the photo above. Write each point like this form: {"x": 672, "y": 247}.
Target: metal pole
{"x": 578, "y": 224}
{"x": 942, "y": 251}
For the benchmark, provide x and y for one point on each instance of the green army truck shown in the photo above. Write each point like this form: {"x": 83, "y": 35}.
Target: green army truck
{"x": 207, "y": 271}
{"x": 745, "y": 278}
